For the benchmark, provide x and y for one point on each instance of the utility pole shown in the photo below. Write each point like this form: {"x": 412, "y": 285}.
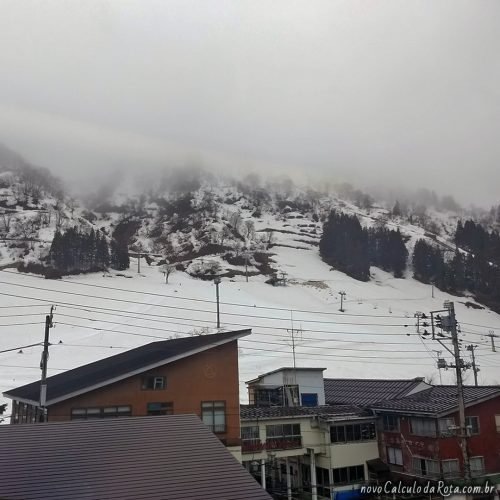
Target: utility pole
{"x": 292, "y": 332}
{"x": 475, "y": 369}
{"x": 342, "y": 295}
{"x": 461, "y": 403}
{"x": 43, "y": 363}
{"x": 246, "y": 266}
{"x": 138, "y": 262}
{"x": 217, "y": 283}
{"x": 448, "y": 324}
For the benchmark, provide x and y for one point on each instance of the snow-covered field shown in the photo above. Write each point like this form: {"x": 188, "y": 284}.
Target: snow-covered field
{"x": 100, "y": 315}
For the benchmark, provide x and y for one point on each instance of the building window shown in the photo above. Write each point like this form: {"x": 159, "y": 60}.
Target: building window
{"x": 346, "y": 475}
{"x": 160, "y": 408}
{"x": 394, "y": 456}
{"x": 497, "y": 423}
{"x": 476, "y": 466}
{"x": 447, "y": 427}
{"x": 153, "y": 383}
{"x": 102, "y": 412}
{"x": 425, "y": 467}
{"x": 309, "y": 399}
{"x": 283, "y": 436}
{"x": 450, "y": 468}
{"x": 350, "y": 433}
{"x": 472, "y": 425}
{"x": 390, "y": 423}
{"x": 213, "y": 414}
{"x": 423, "y": 427}
{"x": 250, "y": 438}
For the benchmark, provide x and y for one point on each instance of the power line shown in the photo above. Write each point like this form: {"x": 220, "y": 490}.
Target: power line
{"x": 254, "y": 333}
{"x": 222, "y": 303}
{"x": 20, "y": 347}
{"x": 196, "y": 310}
{"x": 20, "y": 324}
{"x": 245, "y": 325}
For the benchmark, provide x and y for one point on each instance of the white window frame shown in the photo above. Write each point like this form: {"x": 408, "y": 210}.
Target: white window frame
{"x": 474, "y": 470}
{"x": 446, "y": 427}
{"x": 394, "y": 455}
{"x": 449, "y": 471}
{"x": 469, "y": 430}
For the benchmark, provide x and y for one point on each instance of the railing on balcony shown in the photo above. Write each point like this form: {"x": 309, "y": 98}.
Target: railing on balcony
{"x": 283, "y": 442}
{"x": 251, "y": 445}
{"x": 274, "y": 443}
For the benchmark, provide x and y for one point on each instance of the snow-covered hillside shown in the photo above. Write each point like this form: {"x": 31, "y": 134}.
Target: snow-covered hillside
{"x": 240, "y": 231}
{"x": 97, "y": 316}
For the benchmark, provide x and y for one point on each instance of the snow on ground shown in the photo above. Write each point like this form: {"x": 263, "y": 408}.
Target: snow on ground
{"x": 100, "y": 315}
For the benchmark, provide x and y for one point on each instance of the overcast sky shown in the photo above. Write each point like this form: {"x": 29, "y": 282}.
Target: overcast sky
{"x": 361, "y": 90}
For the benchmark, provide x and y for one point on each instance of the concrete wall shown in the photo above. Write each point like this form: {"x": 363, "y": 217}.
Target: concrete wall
{"x": 308, "y": 381}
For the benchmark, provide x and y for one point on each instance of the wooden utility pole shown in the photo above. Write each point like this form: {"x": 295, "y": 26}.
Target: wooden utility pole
{"x": 217, "y": 282}
{"x": 448, "y": 324}
{"x": 43, "y": 363}
{"x": 461, "y": 403}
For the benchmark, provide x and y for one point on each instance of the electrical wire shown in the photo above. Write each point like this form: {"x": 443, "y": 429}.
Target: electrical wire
{"x": 222, "y": 303}
{"x": 21, "y": 347}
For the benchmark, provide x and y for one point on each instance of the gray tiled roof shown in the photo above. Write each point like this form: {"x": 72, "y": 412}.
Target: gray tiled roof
{"x": 130, "y": 458}
{"x": 249, "y": 412}
{"x": 440, "y": 399}
{"x": 363, "y": 392}
{"x": 120, "y": 366}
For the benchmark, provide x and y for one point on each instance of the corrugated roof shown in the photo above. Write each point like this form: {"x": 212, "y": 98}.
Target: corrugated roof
{"x": 161, "y": 457}
{"x": 249, "y": 412}
{"x": 440, "y": 399}
{"x": 363, "y": 392}
{"x": 120, "y": 366}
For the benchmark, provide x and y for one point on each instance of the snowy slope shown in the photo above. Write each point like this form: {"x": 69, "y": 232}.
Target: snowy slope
{"x": 98, "y": 316}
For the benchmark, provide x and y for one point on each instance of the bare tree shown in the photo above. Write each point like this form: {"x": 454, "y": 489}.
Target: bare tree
{"x": 224, "y": 234}
{"x": 59, "y": 212}
{"x": 7, "y": 220}
{"x": 235, "y": 220}
{"x": 248, "y": 229}
{"x": 167, "y": 269}
{"x": 270, "y": 239}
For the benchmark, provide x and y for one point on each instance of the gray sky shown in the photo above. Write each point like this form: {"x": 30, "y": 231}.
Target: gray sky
{"x": 358, "y": 90}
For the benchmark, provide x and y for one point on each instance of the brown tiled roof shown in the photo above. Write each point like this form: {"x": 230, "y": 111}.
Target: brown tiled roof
{"x": 363, "y": 392}
{"x": 155, "y": 458}
{"x": 438, "y": 400}
{"x": 249, "y": 412}
{"x": 104, "y": 371}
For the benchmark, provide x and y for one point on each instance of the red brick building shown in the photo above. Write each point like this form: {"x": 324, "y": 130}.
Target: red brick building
{"x": 418, "y": 433}
{"x": 194, "y": 375}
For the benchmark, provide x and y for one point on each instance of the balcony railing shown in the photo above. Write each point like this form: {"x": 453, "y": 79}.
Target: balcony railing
{"x": 275, "y": 443}
{"x": 284, "y": 442}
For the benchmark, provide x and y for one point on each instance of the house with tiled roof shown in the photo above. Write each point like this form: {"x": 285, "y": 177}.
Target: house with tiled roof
{"x": 418, "y": 433}
{"x": 330, "y": 436}
{"x": 160, "y": 457}
{"x": 190, "y": 375}
{"x": 294, "y": 443}
{"x": 363, "y": 392}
